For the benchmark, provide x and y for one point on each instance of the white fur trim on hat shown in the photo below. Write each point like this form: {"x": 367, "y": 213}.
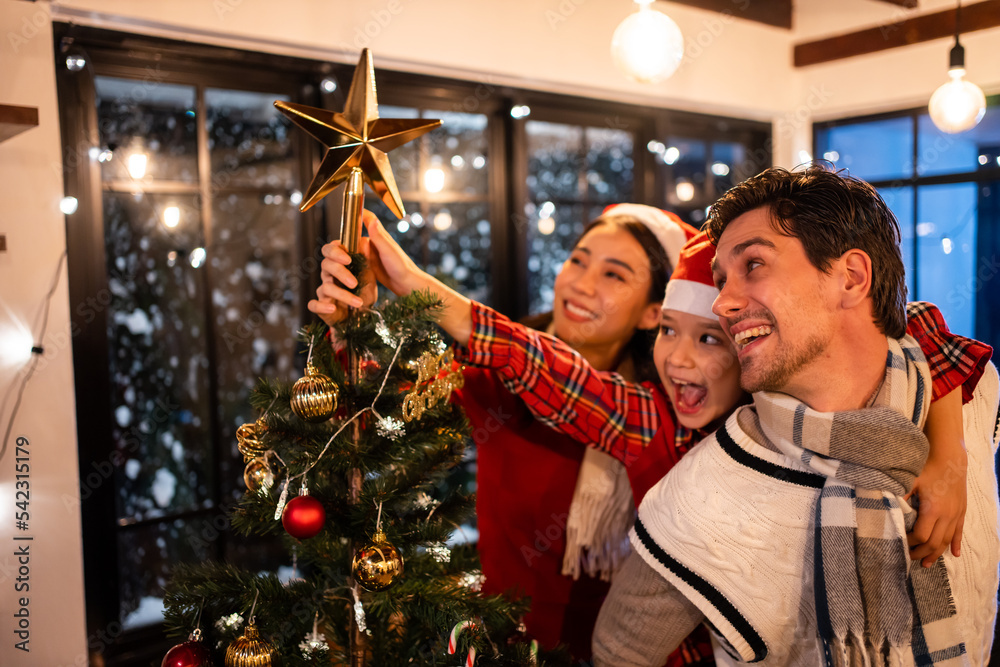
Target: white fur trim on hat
{"x": 670, "y": 235}
{"x": 691, "y": 297}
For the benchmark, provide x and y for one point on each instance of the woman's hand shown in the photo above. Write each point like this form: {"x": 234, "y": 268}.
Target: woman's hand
{"x": 389, "y": 265}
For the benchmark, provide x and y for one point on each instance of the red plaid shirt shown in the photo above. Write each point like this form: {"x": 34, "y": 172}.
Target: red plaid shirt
{"x": 621, "y": 418}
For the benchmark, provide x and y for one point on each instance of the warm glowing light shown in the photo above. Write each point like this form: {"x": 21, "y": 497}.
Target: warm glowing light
{"x": 805, "y": 157}
{"x": 68, "y": 205}
{"x": 197, "y": 257}
{"x": 403, "y": 226}
{"x": 958, "y": 105}
{"x": 832, "y": 156}
{"x": 520, "y": 111}
{"x": 295, "y": 197}
{"x": 457, "y": 161}
{"x": 655, "y": 146}
{"x": 720, "y": 168}
{"x": 671, "y": 155}
{"x": 442, "y": 220}
{"x": 137, "y": 165}
{"x": 546, "y": 225}
{"x": 329, "y": 84}
{"x": 647, "y": 46}
{"x": 15, "y": 345}
{"x": 75, "y": 62}
{"x": 171, "y": 216}
{"x": 478, "y": 162}
{"x": 684, "y": 190}
{"x": 434, "y": 179}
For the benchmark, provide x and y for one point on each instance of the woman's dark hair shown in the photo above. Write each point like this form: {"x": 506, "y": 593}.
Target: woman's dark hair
{"x": 640, "y": 346}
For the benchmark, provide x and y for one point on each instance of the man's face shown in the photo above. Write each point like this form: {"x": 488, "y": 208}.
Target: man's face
{"x": 774, "y": 305}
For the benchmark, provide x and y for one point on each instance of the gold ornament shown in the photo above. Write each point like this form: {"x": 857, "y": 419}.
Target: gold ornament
{"x": 258, "y": 476}
{"x": 250, "y": 650}
{"x": 429, "y": 389}
{"x": 250, "y": 439}
{"x": 357, "y": 140}
{"x": 377, "y": 566}
{"x": 314, "y": 396}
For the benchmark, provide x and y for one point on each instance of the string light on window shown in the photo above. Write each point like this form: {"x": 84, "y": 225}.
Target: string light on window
{"x": 958, "y": 105}
{"x": 832, "y": 156}
{"x": 434, "y": 179}
{"x": 647, "y": 46}
{"x": 137, "y": 165}
{"x": 328, "y": 85}
{"x": 197, "y": 257}
{"x": 442, "y": 220}
{"x": 684, "y": 189}
{"x": 720, "y": 168}
{"x": 68, "y": 205}
{"x": 403, "y": 226}
{"x": 520, "y": 111}
{"x": 295, "y": 198}
{"x": 171, "y": 217}
{"x": 671, "y": 155}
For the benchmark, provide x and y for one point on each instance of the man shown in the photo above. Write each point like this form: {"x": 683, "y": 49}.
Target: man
{"x": 785, "y": 531}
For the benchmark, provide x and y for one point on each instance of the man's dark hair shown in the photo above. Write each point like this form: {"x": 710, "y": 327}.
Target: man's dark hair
{"x": 829, "y": 212}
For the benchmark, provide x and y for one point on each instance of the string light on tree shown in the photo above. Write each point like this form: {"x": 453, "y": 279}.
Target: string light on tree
{"x": 647, "y": 46}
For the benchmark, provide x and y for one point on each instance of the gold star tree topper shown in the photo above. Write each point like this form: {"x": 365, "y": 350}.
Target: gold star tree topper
{"x": 356, "y": 139}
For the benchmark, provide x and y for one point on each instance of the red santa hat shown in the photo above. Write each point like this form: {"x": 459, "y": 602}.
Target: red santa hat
{"x": 669, "y": 229}
{"x": 691, "y": 288}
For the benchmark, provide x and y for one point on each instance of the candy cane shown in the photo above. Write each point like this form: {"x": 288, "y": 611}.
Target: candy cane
{"x": 470, "y": 660}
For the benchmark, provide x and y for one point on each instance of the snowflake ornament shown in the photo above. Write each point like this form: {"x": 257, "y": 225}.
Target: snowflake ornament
{"x": 473, "y": 580}
{"x": 313, "y": 644}
{"x": 389, "y": 427}
{"x": 440, "y": 552}
{"x": 231, "y": 622}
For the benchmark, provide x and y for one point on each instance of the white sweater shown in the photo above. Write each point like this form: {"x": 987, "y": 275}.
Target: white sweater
{"x": 732, "y": 527}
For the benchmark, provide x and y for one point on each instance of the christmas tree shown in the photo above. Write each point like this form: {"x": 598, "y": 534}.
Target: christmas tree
{"x": 348, "y": 465}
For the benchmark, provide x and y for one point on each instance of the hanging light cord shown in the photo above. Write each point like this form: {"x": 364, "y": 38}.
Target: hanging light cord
{"x": 36, "y": 353}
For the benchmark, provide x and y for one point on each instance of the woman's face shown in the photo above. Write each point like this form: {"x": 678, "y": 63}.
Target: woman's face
{"x": 698, "y": 368}
{"x": 602, "y": 291}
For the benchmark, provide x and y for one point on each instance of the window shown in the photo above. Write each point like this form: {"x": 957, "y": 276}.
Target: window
{"x": 944, "y": 189}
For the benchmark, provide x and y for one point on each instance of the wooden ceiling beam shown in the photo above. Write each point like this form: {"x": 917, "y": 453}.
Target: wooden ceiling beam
{"x": 771, "y": 12}
{"x": 978, "y": 16}
{"x": 909, "y": 4}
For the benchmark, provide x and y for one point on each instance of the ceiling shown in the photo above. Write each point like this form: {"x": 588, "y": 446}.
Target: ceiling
{"x": 772, "y": 12}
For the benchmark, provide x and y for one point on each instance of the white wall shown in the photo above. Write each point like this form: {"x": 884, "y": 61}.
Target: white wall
{"x": 31, "y": 186}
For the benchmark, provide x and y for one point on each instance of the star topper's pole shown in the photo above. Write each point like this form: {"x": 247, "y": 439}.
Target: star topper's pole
{"x": 357, "y": 142}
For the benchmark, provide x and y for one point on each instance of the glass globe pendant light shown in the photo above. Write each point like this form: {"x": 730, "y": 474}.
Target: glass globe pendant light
{"x": 958, "y": 105}
{"x": 647, "y": 46}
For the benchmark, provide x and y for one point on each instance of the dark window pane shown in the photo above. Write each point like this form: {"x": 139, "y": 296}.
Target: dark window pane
{"x": 554, "y": 161}
{"x": 459, "y": 149}
{"x": 158, "y": 359}
{"x": 946, "y": 251}
{"x": 248, "y": 140}
{"x": 686, "y": 165}
{"x": 550, "y": 240}
{"x": 728, "y": 165}
{"x": 256, "y": 282}
{"x": 942, "y": 153}
{"x": 609, "y": 165}
{"x": 873, "y": 151}
{"x": 148, "y": 553}
{"x": 900, "y": 201}
{"x": 149, "y": 129}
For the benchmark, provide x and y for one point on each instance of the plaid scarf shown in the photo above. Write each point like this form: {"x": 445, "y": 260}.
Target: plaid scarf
{"x": 873, "y": 606}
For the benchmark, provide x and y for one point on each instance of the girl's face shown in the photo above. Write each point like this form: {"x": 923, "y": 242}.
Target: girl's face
{"x": 698, "y": 368}
{"x": 602, "y": 291}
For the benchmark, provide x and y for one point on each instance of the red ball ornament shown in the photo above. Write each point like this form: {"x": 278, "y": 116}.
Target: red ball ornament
{"x": 303, "y": 517}
{"x": 188, "y": 654}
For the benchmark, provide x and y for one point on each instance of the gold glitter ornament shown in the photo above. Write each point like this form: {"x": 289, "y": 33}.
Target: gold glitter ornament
{"x": 314, "y": 396}
{"x": 250, "y": 439}
{"x": 258, "y": 476}
{"x": 377, "y": 566}
{"x": 249, "y": 650}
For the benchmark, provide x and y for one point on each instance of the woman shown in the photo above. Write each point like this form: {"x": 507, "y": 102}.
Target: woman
{"x": 556, "y": 530}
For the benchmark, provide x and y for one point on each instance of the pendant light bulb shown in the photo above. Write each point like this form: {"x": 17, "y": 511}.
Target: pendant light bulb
{"x": 647, "y": 46}
{"x": 957, "y": 105}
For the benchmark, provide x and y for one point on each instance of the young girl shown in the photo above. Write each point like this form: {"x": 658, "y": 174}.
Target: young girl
{"x": 698, "y": 373}
{"x": 556, "y": 529}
